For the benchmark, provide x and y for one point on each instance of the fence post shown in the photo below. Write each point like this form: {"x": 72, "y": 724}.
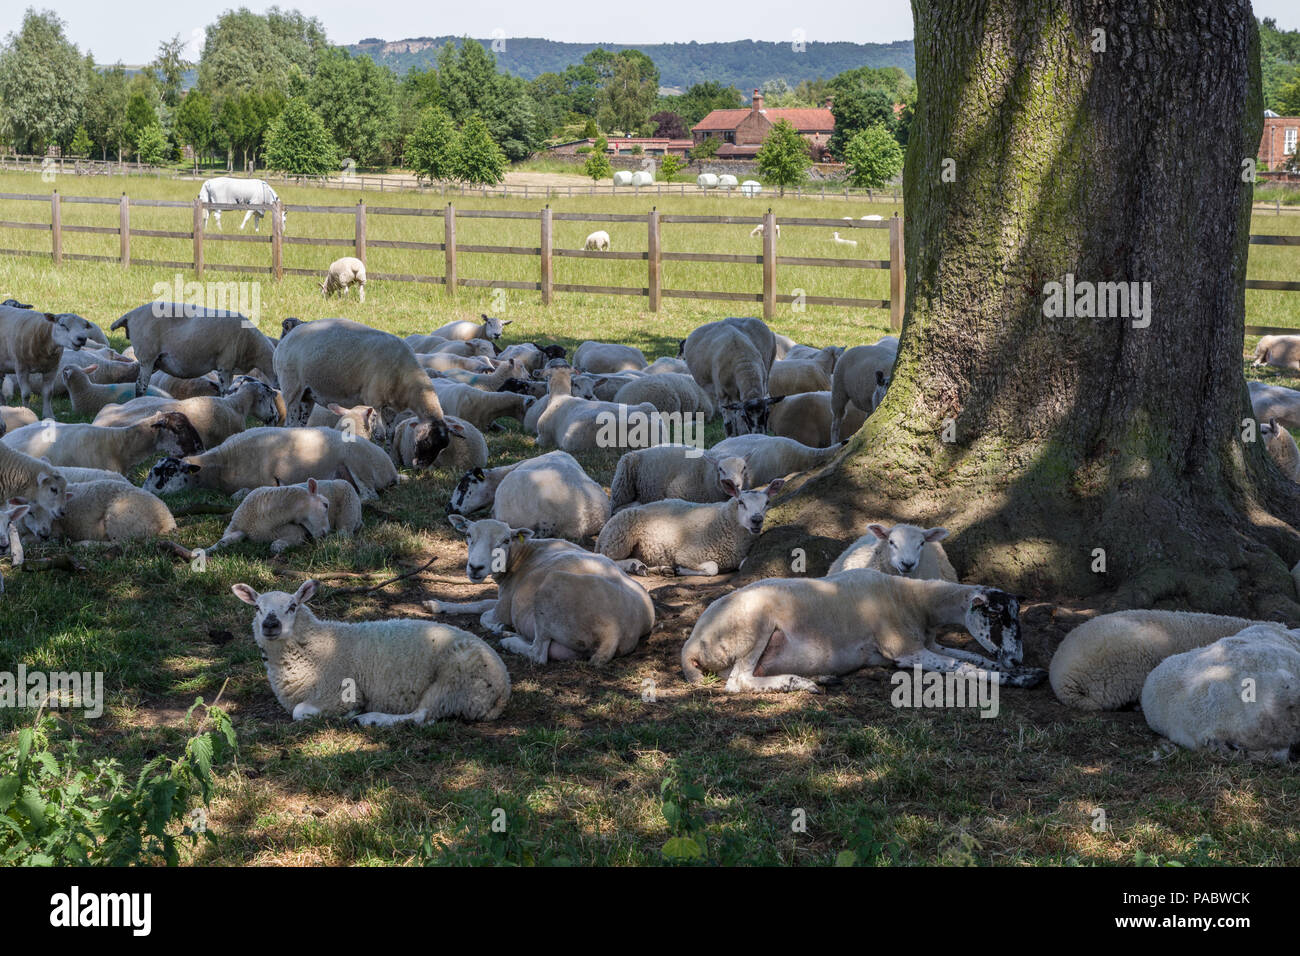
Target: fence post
{"x": 897, "y": 276}
{"x": 548, "y": 276}
{"x": 655, "y": 260}
{"x": 769, "y": 265}
{"x": 277, "y": 241}
{"x": 449, "y": 247}
{"x": 124, "y": 230}
{"x": 56, "y": 228}
{"x": 361, "y": 230}
{"x": 198, "y": 238}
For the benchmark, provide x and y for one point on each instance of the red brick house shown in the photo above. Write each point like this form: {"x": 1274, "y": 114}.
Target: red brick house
{"x": 1278, "y": 144}
{"x": 743, "y": 131}
{"x": 626, "y": 146}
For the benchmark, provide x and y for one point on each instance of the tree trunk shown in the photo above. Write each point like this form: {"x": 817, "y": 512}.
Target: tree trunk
{"x": 1038, "y": 439}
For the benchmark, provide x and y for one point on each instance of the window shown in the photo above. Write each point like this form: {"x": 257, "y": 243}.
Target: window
{"x": 1288, "y": 140}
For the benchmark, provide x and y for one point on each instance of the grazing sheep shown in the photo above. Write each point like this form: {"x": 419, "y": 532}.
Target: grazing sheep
{"x": 111, "y": 511}
{"x": 1280, "y": 351}
{"x": 1199, "y": 699}
{"x": 550, "y": 495}
{"x": 215, "y": 419}
{"x": 478, "y": 407}
{"x": 1102, "y": 663}
{"x": 785, "y": 634}
{"x": 604, "y": 358}
{"x": 285, "y": 517}
{"x": 758, "y": 230}
{"x": 202, "y": 386}
{"x": 843, "y": 242}
{"x": 490, "y": 329}
{"x": 793, "y": 376}
{"x": 564, "y": 602}
{"x": 806, "y": 418}
{"x": 342, "y": 275}
{"x": 271, "y": 456}
{"x": 1281, "y": 447}
{"x": 113, "y": 449}
{"x": 667, "y": 366}
{"x": 731, "y": 359}
{"x": 668, "y": 393}
{"x": 767, "y": 456}
{"x": 468, "y": 449}
{"x": 675, "y": 471}
{"x": 361, "y": 420}
{"x": 598, "y": 240}
{"x": 904, "y": 549}
{"x": 33, "y": 343}
{"x": 576, "y": 424}
{"x": 858, "y": 375}
{"x": 400, "y": 669}
{"x": 188, "y": 341}
{"x": 683, "y": 537}
{"x": 37, "y": 481}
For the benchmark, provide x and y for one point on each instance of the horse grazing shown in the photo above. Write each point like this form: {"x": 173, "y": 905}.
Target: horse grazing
{"x": 227, "y": 190}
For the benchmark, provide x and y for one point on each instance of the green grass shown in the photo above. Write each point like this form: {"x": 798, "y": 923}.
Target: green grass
{"x": 578, "y": 759}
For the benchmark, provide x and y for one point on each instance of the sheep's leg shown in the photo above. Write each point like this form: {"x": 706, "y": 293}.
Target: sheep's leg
{"x": 233, "y": 537}
{"x": 224, "y": 378}
{"x": 376, "y": 719}
{"x": 147, "y": 363}
{"x": 288, "y": 536}
{"x": 47, "y": 397}
{"x": 361, "y": 293}
{"x": 929, "y": 660}
{"x": 460, "y": 607}
{"x": 970, "y": 656}
{"x": 632, "y": 566}
{"x": 706, "y": 569}
{"x": 537, "y": 650}
{"x": 743, "y": 679}
{"x": 304, "y": 710}
{"x": 15, "y": 546}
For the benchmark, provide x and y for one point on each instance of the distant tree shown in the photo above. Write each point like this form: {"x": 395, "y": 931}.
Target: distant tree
{"x": 873, "y": 157}
{"x": 784, "y": 158}
{"x": 431, "y": 147}
{"x": 590, "y": 130}
{"x": 629, "y": 93}
{"x": 298, "y": 142}
{"x": 81, "y": 143}
{"x": 195, "y": 123}
{"x": 597, "y": 165}
{"x": 140, "y": 116}
{"x": 151, "y": 145}
{"x": 357, "y": 100}
{"x": 168, "y": 69}
{"x": 669, "y": 167}
{"x": 667, "y": 123}
{"x": 479, "y": 159}
{"x": 706, "y": 148}
{"x": 43, "y": 83}
{"x": 246, "y": 52}
{"x": 701, "y": 99}
{"x": 855, "y": 110}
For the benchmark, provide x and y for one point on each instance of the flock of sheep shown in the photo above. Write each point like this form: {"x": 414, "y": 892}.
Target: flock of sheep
{"x": 345, "y": 411}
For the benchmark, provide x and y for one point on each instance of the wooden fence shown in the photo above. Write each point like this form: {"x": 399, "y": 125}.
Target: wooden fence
{"x": 545, "y": 251}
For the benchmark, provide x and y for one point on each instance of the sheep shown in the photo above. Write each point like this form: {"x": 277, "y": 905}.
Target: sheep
{"x": 188, "y": 341}
{"x": 726, "y": 364}
{"x": 806, "y": 418}
{"x": 402, "y": 670}
{"x": 683, "y": 537}
{"x": 550, "y": 495}
{"x": 598, "y": 240}
{"x": 111, "y": 511}
{"x": 667, "y": 366}
{"x": 758, "y": 230}
{"x": 533, "y": 356}
{"x": 904, "y": 550}
{"x": 783, "y": 345}
{"x": 1275, "y": 402}
{"x": 844, "y": 242}
{"x": 113, "y": 449}
{"x": 478, "y": 407}
{"x": 812, "y": 352}
{"x": 465, "y": 348}
{"x": 859, "y": 374}
{"x": 285, "y": 517}
{"x": 489, "y": 381}
{"x": 11, "y": 418}
{"x": 447, "y": 361}
{"x": 342, "y": 275}
{"x": 33, "y": 342}
{"x": 1102, "y": 663}
{"x": 100, "y": 366}
{"x": 202, "y": 386}
{"x": 1281, "y": 448}
{"x": 603, "y": 358}
{"x": 270, "y": 456}
{"x": 582, "y": 386}
{"x": 489, "y": 329}
{"x": 576, "y": 424}
{"x": 215, "y": 419}
{"x": 767, "y": 456}
{"x": 347, "y": 363}
{"x": 564, "y": 602}
{"x": 468, "y": 449}
{"x": 88, "y": 398}
{"x": 793, "y": 376}
{"x": 84, "y": 476}
{"x": 361, "y": 420}
{"x": 1199, "y": 700}
{"x": 668, "y": 393}
{"x": 1280, "y": 351}
{"x": 39, "y": 482}
{"x": 605, "y": 387}
{"x": 12, "y": 513}
{"x": 675, "y": 471}
{"x": 786, "y": 634}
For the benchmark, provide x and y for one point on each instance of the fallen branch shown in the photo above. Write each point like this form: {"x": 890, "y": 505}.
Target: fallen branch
{"x": 382, "y": 584}
{"x": 60, "y": 562}
{"x": 179, "y": 550}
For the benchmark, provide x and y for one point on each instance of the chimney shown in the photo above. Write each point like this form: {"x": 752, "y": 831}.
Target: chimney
{"x": 829, "y": 101}
{"x": 758, "y": 102}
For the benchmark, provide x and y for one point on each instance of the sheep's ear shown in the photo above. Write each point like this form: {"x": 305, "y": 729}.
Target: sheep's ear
{"x": 936, "y": 534}
{"x": 51, "y": 317}
{"x": 336, "y": 408}
{"x": 19, "y": 512}
{"x": 306, "y": 591}
{"x": 457, "y": 429}
{"x": 523, "y": 534}
{"x": 506, "y": 321}
{"x": 879, "y": 530}
{"x": 245, "y": 593}
{"x": 775, "y": 485}
{"x": 729, "y": 487}
{"x": 311, "y": 485}
{"x": 459, "y": 522}
{"x": 15, "y": 502}
{"x": 191, "y": 469}
{"x": 773, "y": 401}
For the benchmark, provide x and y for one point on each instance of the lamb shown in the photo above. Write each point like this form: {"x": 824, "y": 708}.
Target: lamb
{"x": 859, "y": 373}
{"x": 758, "y": 230}
{"x": 12, "y": 513}
{"x": 489, "y": 329}
{"x": 904, "y": 549}
{"x": 731, "y": 359}
{"x": 360, "y": 420}
{"x": 33, "y": 343}
{"x": 478, "y": 407}
{"x": 113, "y": 449}
{"x": 347, "y": 363}
{"x": 675, "y": 471}
{"x": 668, "y": 393}
{"x": 468, "y": 449}
{"x": 565, "y": 603}
{"x": 402, "y": 670}
{"x": 342, "y": 275}
{"x": 99, "y": 364}
{"x": 465, "y": 348}
{"x": 188, "y": 341}
{"x": 84, "y": 476}
{"x": 575, "y": 424}
{"x": 215, "y": 419}
{"x": 843, "y": 242}
{"x": 202, "y": 386}
{"x": 491, "y": 381}
{"x": 806, "y": 418}
{"x": 1280, "y": 351}
{"x": 793, "y": 376}
{"x": 605, "y": 387}
{"x": 550, "y": 495}
{"x": 598, "y": 240}
{"x": 270, "y": 456}
{"x": 1102, "y": 663}
{"x": 768, "y": 457}
{"x": 1281, "y": 448}
{"x": 682, "y": 537}
{"x": 285, "y": 517}
{"x": 37, "y": 481}
{"x": 447, "y": 361}
{"x": 88, "y": 398}
{"x": 603, "y": 358}
{"x": 786, "y": 634}
{"x": 112, "y": 512}
{"x": 11, "y": 418}
{"x": 1199, "y": 700}
{"x": 667, "y": 366}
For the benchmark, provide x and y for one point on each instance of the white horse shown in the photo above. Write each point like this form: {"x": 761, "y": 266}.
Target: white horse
{"x": 227, "y": 190}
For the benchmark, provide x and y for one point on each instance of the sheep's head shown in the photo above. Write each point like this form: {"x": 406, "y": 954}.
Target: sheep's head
{"x": 175, "y": 435}
{"x": 267, "y": 404}
{"x": 993, "y": 619}
{"x": 171, "y": 475}
{"x": 11, "y": 513}
{"x": 51, "y": 492}
{"x": 751, "y": 506}
{"x": 15, "y": 304}
{"x": 748, "y": 417}
{"x": 35, "y": 522}
{"x": 276, "y": 611}
{"x": 69, "y": 330}
{"x": 878, "y": 393}
{"x": 731, "y": 471}
{"x": 316, "y": 517}
{"x": 494, "y": 328}
{"x": 488, "y": 543}
{"x": 288, "y": 325}
{"x": 905, "y": 543}
{"x": 472, "y": 493}
{"x": 430, "y": 438}
{"x": 552, "y": 351}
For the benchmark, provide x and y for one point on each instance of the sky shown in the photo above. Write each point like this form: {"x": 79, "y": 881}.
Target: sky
{"x": 130, "y": 31}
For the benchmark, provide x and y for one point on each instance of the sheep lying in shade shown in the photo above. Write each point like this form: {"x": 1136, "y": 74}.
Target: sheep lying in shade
{"x": 32, "y": 479}
{"x": 342, "y": 275}
{"x": 604, "y": 358}
{"x": 203, "y": 386}
{"x": 675, "y": 471}
{"x": 860, "y": 377}
{"x": 550, "y": 495}
{"x": 904, "y": 549}
{"x": 1270, "y": 402}
{"x": 101, "y": 512}
{"x": 113, "y": 449}
{"x": 1281, "y": 448}
{"x": 215, "y": 419}
{"x": 767, "y": 456}
{"x": 399, "y": 670}
{"x": 282, "y": 517}
{"x": 360, "y": 420}
{"x": 467, "y": 448}
{"x": 490, "y": 329}
{"x": 806, "y": 418}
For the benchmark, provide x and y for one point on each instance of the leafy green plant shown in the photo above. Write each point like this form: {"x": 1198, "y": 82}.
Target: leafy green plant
{"x": 681, "y": 801}
{"x": 499, "y": 832}
{"x": 669, "y": 167}
{"x": 867, "y": 846}
{"x": 597, "y": 165}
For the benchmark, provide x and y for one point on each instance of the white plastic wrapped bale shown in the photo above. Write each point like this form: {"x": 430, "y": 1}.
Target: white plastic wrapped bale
{"x": 751, "y": 188}
{"x": 642, "y": 178}
{"x": 707, "y": 181}
{"x": 623, "y": 178}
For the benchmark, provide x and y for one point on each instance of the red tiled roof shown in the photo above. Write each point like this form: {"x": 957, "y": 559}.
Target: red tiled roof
{"x": 800, "y": 119}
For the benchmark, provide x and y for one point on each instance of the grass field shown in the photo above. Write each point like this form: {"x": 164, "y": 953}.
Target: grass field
{"x": 580, "y": 759}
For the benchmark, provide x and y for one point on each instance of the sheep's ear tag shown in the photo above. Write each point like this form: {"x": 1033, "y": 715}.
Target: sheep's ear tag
{"x": 521, "y": 536}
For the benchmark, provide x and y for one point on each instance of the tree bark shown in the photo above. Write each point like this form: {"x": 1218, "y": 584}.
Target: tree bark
{"x": 1037, "y": 440}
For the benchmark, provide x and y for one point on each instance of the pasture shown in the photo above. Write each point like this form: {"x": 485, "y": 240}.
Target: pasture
{"x": 584, "y": 759}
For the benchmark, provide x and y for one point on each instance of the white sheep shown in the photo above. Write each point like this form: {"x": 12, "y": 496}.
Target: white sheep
{"x": 667, "y": 366}
{"x": 860, "y": 375}
{"x": 11, "y": 418}
{"x": 792, "y": 376}
{"x": 478, "y": 407}
{"x": 83, "y": 476}
{"x": 188, "y": 341}
{"x": 1281, "y": 447}
{"x": 447, "y": 361}
{"x": 464, "y": 330}
{"x": 605, "y": 387}
{"x": 669, "y": 393}
{"x": 113, "y": 449}
{"x": 598, "y": 240}
{"x": 795, "y": 351}
{"x": 684, "y": 537}
{"x": 758, "y": 230}
{"x": 1239, "y": 694}
{"x": 100, "y": 366}
{"x": 806, "y": 417}
{"x": 215, "y": 419}
{"x": 872, "y": 218}
{"x": 487, "y": 381}
{"x": 99, "y": 512}
{"x": 843, "y": 242}
{"x": 467, "y": 448}
{"x": 533, "y": 356}
{"x": 550, "y": 495}
{"x": 360, "y": 420}
{"x": 33, "y": 342}
{"x": 785, "y": 634}
{"x": 577, "y": 424}
{"x": 731, "y": 360}
{"x": 1102, "y": 663}
{"x": 342, "y": 275}
{"x": 88, "y": 398}
{"x": 904, "y": 550}
{"x": 769, "y": 456}
{"x": 284, "y": 517}
{"x": 1281, "y": 351}
{"x": 37, "y": 481}
{"x": 202, "y": 386}
{"x": 604, "y": 358}
{"x": 1275, "y": 402}
{"x": 399, "y": 670}
{"x": 675, "y": 471}
{"x": 564, "y": 603}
